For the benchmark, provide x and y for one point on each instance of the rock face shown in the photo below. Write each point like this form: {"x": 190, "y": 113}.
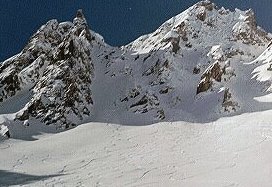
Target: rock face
{"x": 57, "y": 66}
{"x": 191, "y": 67}
{"x": 215, "y": 71}
{"x": 219, "y": 71}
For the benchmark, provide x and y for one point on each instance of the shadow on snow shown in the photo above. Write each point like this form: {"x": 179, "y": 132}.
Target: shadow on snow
{"x": 8, "y": 178}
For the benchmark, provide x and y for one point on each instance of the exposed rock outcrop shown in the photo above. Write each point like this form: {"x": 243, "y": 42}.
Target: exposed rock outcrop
{"x": 57, "y": 66}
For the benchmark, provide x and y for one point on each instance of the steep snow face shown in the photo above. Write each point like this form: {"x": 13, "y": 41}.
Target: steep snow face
{"x": 56, "y": 66}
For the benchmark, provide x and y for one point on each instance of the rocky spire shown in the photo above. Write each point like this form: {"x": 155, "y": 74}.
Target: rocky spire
{"x": 81, "y": 25}
{"x": 80, "y": 14}
{"x": 56, "y": 66}
{"x": 80, "y": 18}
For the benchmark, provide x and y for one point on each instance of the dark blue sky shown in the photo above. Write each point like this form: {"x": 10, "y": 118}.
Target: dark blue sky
{"x": 119, "y": 21}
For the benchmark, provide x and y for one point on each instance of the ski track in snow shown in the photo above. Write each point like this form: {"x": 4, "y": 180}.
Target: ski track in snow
{"x": 233, "y": 151}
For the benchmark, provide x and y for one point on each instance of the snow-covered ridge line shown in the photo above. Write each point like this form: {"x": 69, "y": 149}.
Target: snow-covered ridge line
{"x": 204, "y": 13}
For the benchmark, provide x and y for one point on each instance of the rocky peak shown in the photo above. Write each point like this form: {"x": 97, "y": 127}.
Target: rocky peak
{"x": 56, "y": 65}
{"x": 80, "y": 15}
{"x": 80, "y": 18}
{"x": 81, "y": 26}
{"x": 201, "y": 9}
{"x": 250, "y": 18}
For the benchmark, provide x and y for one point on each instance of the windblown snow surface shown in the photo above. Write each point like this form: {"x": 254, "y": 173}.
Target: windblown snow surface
{"x": 234, "y": 151}
{"x": 186, "y": 105}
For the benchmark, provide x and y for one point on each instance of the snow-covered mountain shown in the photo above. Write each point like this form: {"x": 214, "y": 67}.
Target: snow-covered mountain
{"x": 193, "y": 75}
{"x": 194, "y": 67}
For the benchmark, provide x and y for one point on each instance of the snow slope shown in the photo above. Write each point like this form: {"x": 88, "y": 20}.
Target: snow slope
{"x": 233, "y": 151}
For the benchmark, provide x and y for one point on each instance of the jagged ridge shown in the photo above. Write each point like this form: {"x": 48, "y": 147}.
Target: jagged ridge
{"x": 56, "y": 66}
